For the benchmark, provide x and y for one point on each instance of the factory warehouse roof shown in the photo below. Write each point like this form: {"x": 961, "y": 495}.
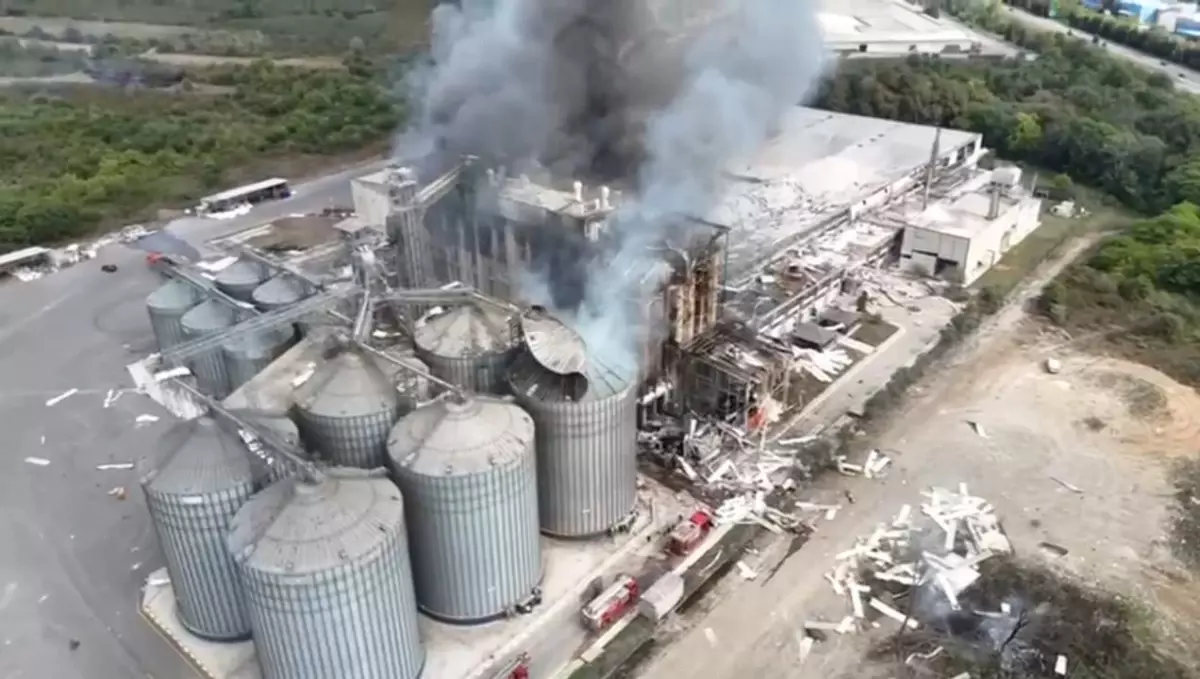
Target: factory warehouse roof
{"x": 817, "y": 166}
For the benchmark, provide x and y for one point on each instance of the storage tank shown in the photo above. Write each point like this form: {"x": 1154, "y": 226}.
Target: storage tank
{"x": 209, "y": 367}
{"x": 193, "y": 495}
{"x": 469, "y": 346}
{"x": 468, "y": 475}
{"x": 347, "y": 408}
{"x": 328, "y": 583}
{"x": 248, "y": 354}
{"x": 278, "y": 292}
{"x": 586, "y": 435}
{"x": 238, "y": 280}
{"x": 166, "y": 307}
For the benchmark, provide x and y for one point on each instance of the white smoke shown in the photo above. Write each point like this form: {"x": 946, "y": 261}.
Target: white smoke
{"x": 759, "y": 59}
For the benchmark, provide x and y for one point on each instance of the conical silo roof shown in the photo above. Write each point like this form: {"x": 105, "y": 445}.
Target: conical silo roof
{"x": 466, "y": 331}
{"x": 279, "y": 291}
{"x": 203, "y": 458}
{"x": 208, "y": 317}
{"x": 346, "y": 385}
{"x": 173, "y": 295}
{"x": 242, "y": 272}
{"x": 446, "y": 438}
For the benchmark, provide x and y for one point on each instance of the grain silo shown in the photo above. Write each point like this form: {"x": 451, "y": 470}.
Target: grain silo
{"x": 347, "y": 408}
{"x": 247, "y": 354}
{"x": 166, "y": 307}
{"x": 193, "y": 495}
{"x": 327, "y": 577}
{"x": 238, "y": 280}
{"x": 586, "y": 419}
{"x": 281, "y": 291}
{"x": 209, "y": 367}
{"x": 469, "y": 346}
{"x": 468, "y": 475}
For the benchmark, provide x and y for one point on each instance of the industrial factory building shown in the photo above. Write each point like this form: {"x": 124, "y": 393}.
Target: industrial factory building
{"x": 407, "y": 464}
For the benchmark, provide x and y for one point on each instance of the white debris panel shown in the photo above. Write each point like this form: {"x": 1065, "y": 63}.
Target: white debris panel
{"x": 938, "y": 548}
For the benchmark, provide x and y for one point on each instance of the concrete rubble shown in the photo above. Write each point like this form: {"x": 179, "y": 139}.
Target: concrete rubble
{"x": 936, "y": 548}
{"x": 70, "y": 255}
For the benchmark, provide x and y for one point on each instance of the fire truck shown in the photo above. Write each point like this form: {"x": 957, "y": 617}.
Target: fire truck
{"x": 611, "y": 604}
{"x": 690, "y": 532}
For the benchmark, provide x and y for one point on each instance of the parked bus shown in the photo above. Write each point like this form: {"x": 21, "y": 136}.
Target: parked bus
{"x": 268, "y": 189}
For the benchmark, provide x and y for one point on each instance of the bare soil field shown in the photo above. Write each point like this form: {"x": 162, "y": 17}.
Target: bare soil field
{"x": 1106, "y": 427}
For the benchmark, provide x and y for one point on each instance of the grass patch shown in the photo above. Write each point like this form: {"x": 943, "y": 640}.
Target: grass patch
{"x": 1103, "y": 636}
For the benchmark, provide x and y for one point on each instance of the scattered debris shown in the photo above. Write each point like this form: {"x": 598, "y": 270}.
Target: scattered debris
{"x": 43, "y": 439}
{"x": 158, "y": 579}
{"x": 1053, "y": 366}
{"x": 1060, "y": 665}
{"x": 108, "y": 268}
{"x": 173, "y": 373}
{"x": 896, "y": 558}
{"x": 1053, "y": 549}
{"x": 745, "y": 571}
{"x": 1071, "y": 487}
{"x": 978, "y": 428}
{"x": 73, "y": 644}
{"x": 39, "y": 461}
{"x": 304, "y": 375}
{"x": 118, "y": 492}
{"x": 135, "y": 566}
{"x": 114, "y": 466}
{"x": 806, "y": 644}
{"x": 112, "y": 396}
{"x": 61, "y": 397}
{"x": 711, "y": 636}
{"x": 146, "y": 419}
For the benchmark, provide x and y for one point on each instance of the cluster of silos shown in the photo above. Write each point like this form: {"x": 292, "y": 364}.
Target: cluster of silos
{"x": 324, "y": 565}
{"x": 469, "y": 346}
{"x": 346, "y": 409}
{"x": 248, "y": 353}
{"x": 280, "y": 292}
{"x": 468, "y": 473}
{"x": 240, "y": 279}
{"x": 586, "y": 418}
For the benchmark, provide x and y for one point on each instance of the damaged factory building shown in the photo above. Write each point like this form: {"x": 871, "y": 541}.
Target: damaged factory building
{"x": 764, "y": 282}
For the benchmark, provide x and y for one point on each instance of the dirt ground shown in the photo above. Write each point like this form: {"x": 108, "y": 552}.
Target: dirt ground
{"x": 1107, "y": 427}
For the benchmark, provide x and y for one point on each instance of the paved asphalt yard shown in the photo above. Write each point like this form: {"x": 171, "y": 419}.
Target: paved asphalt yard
{"x": 73, "y": 558}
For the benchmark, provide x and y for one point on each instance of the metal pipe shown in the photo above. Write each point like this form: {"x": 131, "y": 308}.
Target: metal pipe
{"x": 452, "y": 388}
{"x": 295, "y": 457}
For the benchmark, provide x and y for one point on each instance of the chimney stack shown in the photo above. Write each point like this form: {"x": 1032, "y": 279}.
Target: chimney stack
{"x": 994, "y": 203}
{"x": 578, "y": 191}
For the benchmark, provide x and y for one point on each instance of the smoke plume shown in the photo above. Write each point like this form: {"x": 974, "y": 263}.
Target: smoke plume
{"x": 670, "y": 92}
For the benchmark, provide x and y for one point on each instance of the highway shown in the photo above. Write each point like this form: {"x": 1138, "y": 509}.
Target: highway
{"x": 1184, "y": 78}
{"x": 74, "y": 557}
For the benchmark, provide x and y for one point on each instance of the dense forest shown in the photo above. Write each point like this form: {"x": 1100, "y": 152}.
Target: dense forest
{"x": 1073, "y": 110}
{"x": 74, "y": 158}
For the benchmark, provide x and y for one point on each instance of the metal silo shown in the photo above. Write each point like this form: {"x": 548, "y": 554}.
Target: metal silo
{"x": 238, "y": 280}
{"x": 328, "y": 581}
{"x": 468, "y": 474}
{"x": 193, "y": 495}
{"x": 278, "y": 292}
{"x": 209, "y": 367}
{"x": 166, "y": 307}
{"x": 247, "y": 355}
{"x": 346, "y": 410}
{"x": 586, "y": 435}
{"x": 469, "y": 346}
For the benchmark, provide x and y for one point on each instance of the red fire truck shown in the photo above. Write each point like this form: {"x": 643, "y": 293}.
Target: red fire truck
{"x": 612, "y": 604}
{"x": 690, "y": 532}
{"x": 518, "y": 668}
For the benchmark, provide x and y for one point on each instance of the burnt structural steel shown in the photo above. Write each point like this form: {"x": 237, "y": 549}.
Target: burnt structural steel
{"x": 469, "y": 477}
{"x": 325, "y": 567}
{"x": 193, "y": 495}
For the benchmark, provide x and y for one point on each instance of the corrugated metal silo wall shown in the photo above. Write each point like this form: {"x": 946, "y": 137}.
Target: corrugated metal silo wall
{"x": 482, "y": 374}
{"x": 240, "y": 291}
{"x": 191, "y": 531}
{"x": 209, "y": 369}
{"x": 167, "y": 326}
{"x": 242, "y": 365}
{"x": 476, "y": 549}
{"x": 351, "y": 441}
{"x": 587, "y": 462}
{"x": 356, "y": 622}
